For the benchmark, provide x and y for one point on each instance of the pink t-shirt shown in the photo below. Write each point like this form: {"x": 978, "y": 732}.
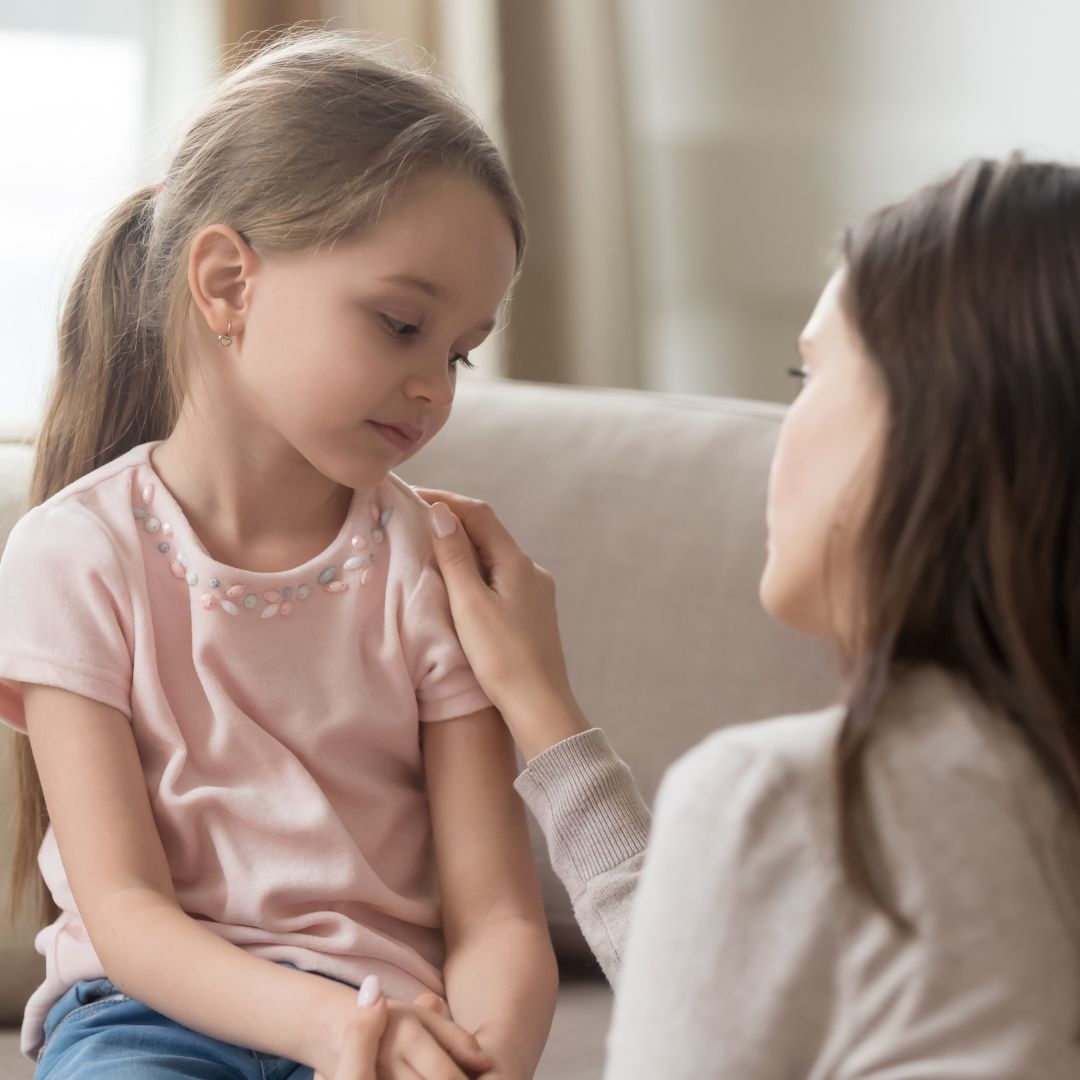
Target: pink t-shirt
{"x": 276, "y": 716}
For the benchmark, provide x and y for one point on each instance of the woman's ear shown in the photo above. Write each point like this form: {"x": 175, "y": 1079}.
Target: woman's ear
{"x": 220, "y": 264}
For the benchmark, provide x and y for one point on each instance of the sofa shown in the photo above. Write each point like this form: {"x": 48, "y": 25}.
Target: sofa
{"x": 649, "y": 511}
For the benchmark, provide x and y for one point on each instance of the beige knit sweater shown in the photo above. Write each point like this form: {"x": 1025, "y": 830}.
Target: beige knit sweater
{"x": 747, "y": 957}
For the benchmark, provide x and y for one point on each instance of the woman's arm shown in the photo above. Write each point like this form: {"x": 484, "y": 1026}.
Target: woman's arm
{"x": 500, "y": 973}
{"x": 596, "y": 826}
{"x": 98, "y": 805}
{"x": 594, "y": 820}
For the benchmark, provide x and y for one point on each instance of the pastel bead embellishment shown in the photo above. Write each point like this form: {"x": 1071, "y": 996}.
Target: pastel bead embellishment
{"x": 236, "y": 598}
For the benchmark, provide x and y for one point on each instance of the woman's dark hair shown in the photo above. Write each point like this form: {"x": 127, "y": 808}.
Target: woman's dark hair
{"x": 967, "y": 301}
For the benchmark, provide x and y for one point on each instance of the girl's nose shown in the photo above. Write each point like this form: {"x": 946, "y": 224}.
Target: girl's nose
{"x": 434, "y": 382}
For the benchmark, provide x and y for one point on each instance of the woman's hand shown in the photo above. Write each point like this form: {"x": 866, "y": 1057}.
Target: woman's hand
{"x": 360, "y": 1049}
{"x": 395, "y": 1041}
{"x": 504, "y": 610}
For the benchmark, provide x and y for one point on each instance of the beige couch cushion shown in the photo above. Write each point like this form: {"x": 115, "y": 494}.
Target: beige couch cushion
{"x": 16, "y": 460}
{"x": 22, "y": 967}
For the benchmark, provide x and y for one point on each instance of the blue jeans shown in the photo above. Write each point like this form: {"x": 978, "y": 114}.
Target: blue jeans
{"x": 94, "y": 1031}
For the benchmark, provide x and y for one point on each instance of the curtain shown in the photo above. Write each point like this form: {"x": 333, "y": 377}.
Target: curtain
{"x": 575, "y": 314}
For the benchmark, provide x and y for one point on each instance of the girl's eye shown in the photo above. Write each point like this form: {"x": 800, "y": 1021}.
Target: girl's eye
{"x": 407, "y": 330}
{"x": 799, "y": 373}
{"x": 399, "y": 328}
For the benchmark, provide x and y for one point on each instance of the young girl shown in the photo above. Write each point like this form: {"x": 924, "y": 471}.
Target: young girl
{"x": 223, "y": 628}
{"x": 889, "y": 888}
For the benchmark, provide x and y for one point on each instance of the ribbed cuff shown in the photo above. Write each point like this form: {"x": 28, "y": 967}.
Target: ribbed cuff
{"x": 588, "y": 806}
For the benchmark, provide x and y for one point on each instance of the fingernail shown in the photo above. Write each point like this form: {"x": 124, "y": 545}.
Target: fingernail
{"x": 443, "y": 520}
{"x": 370, "y": 989}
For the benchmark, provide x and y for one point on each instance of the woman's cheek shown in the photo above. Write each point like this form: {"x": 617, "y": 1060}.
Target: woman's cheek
{"x": 787, "y": 585}
{"x": 786, "y": 477}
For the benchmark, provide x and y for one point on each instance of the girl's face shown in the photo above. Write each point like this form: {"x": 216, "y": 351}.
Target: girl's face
{"x": 822, "y": 476}
{"x": 350, "y": 355}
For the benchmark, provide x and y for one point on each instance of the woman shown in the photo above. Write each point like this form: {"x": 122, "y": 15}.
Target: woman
{"x": 889, "y": 888}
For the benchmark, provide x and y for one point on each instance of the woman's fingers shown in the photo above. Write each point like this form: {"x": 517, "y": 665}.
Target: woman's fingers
{"x": 466, "y": 584}
{"x": 429, "y": 1060}
{"x": 360, "y": 1050}
{"x": 492, "y": 540}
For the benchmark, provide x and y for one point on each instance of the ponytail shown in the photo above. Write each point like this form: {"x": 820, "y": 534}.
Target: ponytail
{"x": 111, "y": 392}
{"x": 111, "y": 388}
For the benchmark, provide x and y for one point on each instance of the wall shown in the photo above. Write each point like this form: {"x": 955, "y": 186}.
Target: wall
{"x": 760, "y": 128}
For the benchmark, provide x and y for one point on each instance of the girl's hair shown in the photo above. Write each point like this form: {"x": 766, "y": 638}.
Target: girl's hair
{"x": 301, "y": 146}
{"x": 967, "y": 300}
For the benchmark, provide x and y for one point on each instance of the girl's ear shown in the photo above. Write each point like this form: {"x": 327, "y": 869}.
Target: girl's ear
{"x": 220, "y": 264}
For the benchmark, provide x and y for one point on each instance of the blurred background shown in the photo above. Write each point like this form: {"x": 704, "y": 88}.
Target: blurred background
{"x": 687, "y": 165}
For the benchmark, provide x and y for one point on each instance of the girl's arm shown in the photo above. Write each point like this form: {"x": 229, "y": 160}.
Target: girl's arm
{"x": 95, "y": 790}
{"x": 500, "y": 974}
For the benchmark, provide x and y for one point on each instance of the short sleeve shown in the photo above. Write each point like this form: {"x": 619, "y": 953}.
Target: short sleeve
{"x": 731, "y": 951}
{"x": 444, "y": 682}
{"x": 65, "y": 612}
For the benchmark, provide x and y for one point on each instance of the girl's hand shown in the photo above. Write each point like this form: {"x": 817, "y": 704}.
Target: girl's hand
{"x": 504, "y": 610}
{"x": 437, "y": 1005}
{"x": 405, "y": 1042}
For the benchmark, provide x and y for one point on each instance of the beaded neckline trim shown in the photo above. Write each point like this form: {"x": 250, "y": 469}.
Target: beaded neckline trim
{"x": 235, "y": 598}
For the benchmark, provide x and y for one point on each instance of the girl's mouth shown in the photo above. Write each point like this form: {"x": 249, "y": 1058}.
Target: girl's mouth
{"x": 402, "y": 437}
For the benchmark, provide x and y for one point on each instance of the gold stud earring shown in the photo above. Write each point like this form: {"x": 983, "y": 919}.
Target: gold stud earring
{"x": 225, "y": 340}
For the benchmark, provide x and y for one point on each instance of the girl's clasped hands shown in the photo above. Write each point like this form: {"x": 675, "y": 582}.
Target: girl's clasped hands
{"x": 389, "y": 1040}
